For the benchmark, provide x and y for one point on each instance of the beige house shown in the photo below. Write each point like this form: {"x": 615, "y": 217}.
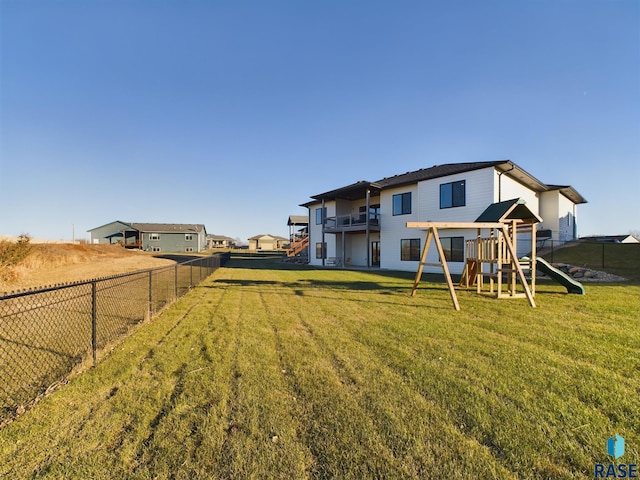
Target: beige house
{"x": 267, "y": 242}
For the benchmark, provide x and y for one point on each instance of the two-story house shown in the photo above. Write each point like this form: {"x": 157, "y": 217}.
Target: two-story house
{"x": 364, "y": 224}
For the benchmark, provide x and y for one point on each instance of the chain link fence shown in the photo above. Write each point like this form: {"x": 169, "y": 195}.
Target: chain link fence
{"x": 45, "y": 333}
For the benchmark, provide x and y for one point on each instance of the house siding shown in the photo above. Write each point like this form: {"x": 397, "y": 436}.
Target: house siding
{"x": 99, "y": 235}
{"x": 483, "y": 187}
{"x": 173, "y": 242}
{"x": 393, "y": 228}
{"x": 315, "y": 233}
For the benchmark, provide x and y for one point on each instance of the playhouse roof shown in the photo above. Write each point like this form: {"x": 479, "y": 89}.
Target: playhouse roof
{"x": 514, "y": 209}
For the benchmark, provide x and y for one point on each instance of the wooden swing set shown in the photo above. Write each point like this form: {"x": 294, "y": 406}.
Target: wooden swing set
{"x": 493, "y": 256}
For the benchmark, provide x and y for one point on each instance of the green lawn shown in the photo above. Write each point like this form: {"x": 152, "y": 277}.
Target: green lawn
{"x": 283, "y": 372}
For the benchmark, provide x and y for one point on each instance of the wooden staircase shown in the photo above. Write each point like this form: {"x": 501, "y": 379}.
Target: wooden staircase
{"x": 298, "y": 246}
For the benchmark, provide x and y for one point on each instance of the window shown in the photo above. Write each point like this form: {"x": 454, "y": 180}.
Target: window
{"x": 155, "y": 249}
{"x": 321, "y": 250}
{"x": 188, "y": 237}
{"x": 188, "y": 249}
{"x": 154, "y": 236}
{"x": 410, "y": 249}
{"x": 452, "y": 194}
{"x": 453, "y": 248}
{"x": 320, "y": 216}
{"x": 402, "y": 203}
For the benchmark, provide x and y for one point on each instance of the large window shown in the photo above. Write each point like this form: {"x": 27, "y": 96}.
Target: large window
{"x": 320, "y": 215}
{"x": 410, "y": 249}
{"x": 453, "y": 248}
{"x": 452, "y": 194}
{"x": 321, "y": 250}
{"x": 402, "y": 203}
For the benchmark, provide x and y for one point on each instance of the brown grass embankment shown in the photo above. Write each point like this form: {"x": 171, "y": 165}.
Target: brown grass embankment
{"x": 54, "y": 263}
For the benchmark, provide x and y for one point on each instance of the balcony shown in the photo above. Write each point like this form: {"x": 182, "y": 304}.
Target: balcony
{"x": 357, "y": 222}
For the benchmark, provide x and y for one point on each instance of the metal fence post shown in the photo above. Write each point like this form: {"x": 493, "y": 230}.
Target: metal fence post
{"x": 150, "y": 293}
{"x": 94, "y": 323}
{"x": 175, "y": 281}
{"x": 190, "y": 275}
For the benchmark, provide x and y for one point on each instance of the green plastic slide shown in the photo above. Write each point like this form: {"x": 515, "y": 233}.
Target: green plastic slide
{"x": 559, "y": 276}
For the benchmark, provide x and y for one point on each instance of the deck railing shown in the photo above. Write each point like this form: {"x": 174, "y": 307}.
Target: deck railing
{"x": 352, "y": 220}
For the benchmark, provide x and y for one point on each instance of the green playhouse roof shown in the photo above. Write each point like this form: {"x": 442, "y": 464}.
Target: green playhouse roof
{"x": 514, "y": 209}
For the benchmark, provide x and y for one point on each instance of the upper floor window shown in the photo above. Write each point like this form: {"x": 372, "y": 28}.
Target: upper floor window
{"x": 402, "y": 203}
{"x": 188, "y": 237}
{"x": 452, "y": 194}
{"x": 154, "y": 236}
{"x": 321, "y": 213}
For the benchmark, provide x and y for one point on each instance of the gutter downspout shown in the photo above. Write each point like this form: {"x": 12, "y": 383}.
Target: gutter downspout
{"x": 500, "y": 182}
{"x": 323, "y": 249}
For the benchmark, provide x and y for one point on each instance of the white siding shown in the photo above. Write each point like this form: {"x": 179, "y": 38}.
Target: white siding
{"x": 558, "y": 215}
{"x": 549, "y": 211}
{"x": 315, "y": 233}
{"x": 393, "y": 228}
{"x": 566, "y": 219}
{"x": 511, "y": 189}
{"x": 479, "y": 194}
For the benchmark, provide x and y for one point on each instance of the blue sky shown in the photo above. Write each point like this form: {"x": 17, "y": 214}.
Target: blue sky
{"x": 233, "y": 113}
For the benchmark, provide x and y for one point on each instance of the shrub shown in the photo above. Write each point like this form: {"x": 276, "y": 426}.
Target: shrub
{"x": 12, "y": 253}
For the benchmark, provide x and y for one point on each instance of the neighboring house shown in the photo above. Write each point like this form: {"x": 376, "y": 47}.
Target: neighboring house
{"x": 364, "y": 224}
{"x": 220, "y": 241}
{"x": 152, "y": 237}
{"x": 612, "y": 239}
{"x": 298, "y": 226}
{"x": 267, "y": 242}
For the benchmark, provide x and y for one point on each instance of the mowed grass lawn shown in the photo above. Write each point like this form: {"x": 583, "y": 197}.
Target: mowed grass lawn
{"x": 268, "y": 371}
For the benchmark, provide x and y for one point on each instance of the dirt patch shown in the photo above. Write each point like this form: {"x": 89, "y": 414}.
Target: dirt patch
{"x": 50, "y": 264}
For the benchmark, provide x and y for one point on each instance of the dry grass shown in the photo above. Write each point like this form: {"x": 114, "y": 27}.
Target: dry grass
{"x": 51, "y": 263}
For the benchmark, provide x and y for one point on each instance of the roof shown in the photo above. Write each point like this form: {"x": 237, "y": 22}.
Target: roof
{"x": 514, "y": 209}
{"x": 298, "y": 220}
{"x": 613, "y": 238}
{"x": 265, "y": 235}
{"x": 357, "y": 190}
{"x": 157, "y": 227}
{"x": 569, "y": 192}
{"x": 169, "y": 227}
{"x": 354, "y": 191}
{"x": 123, "y": 226}
{"x": 436, "y": 171}
{"x": 220, "y": 237}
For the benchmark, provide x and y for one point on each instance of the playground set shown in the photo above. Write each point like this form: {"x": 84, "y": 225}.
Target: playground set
{"x": 492, "y": 259}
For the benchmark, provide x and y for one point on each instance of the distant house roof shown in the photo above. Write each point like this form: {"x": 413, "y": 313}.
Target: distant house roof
{"x": 268, "y": 236}
{"x": 357, "y": 190}
{"x": 220, "y": 238}
{"x": 158, "y": 227}
{"x": 514, "y": 209}
{"x": 613, "y": 238}
{"x": 298, "y": 220}
{"x": 169, "y": 227}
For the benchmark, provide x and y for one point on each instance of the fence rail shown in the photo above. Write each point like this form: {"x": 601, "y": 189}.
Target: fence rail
{"x": 45, "y": 333}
